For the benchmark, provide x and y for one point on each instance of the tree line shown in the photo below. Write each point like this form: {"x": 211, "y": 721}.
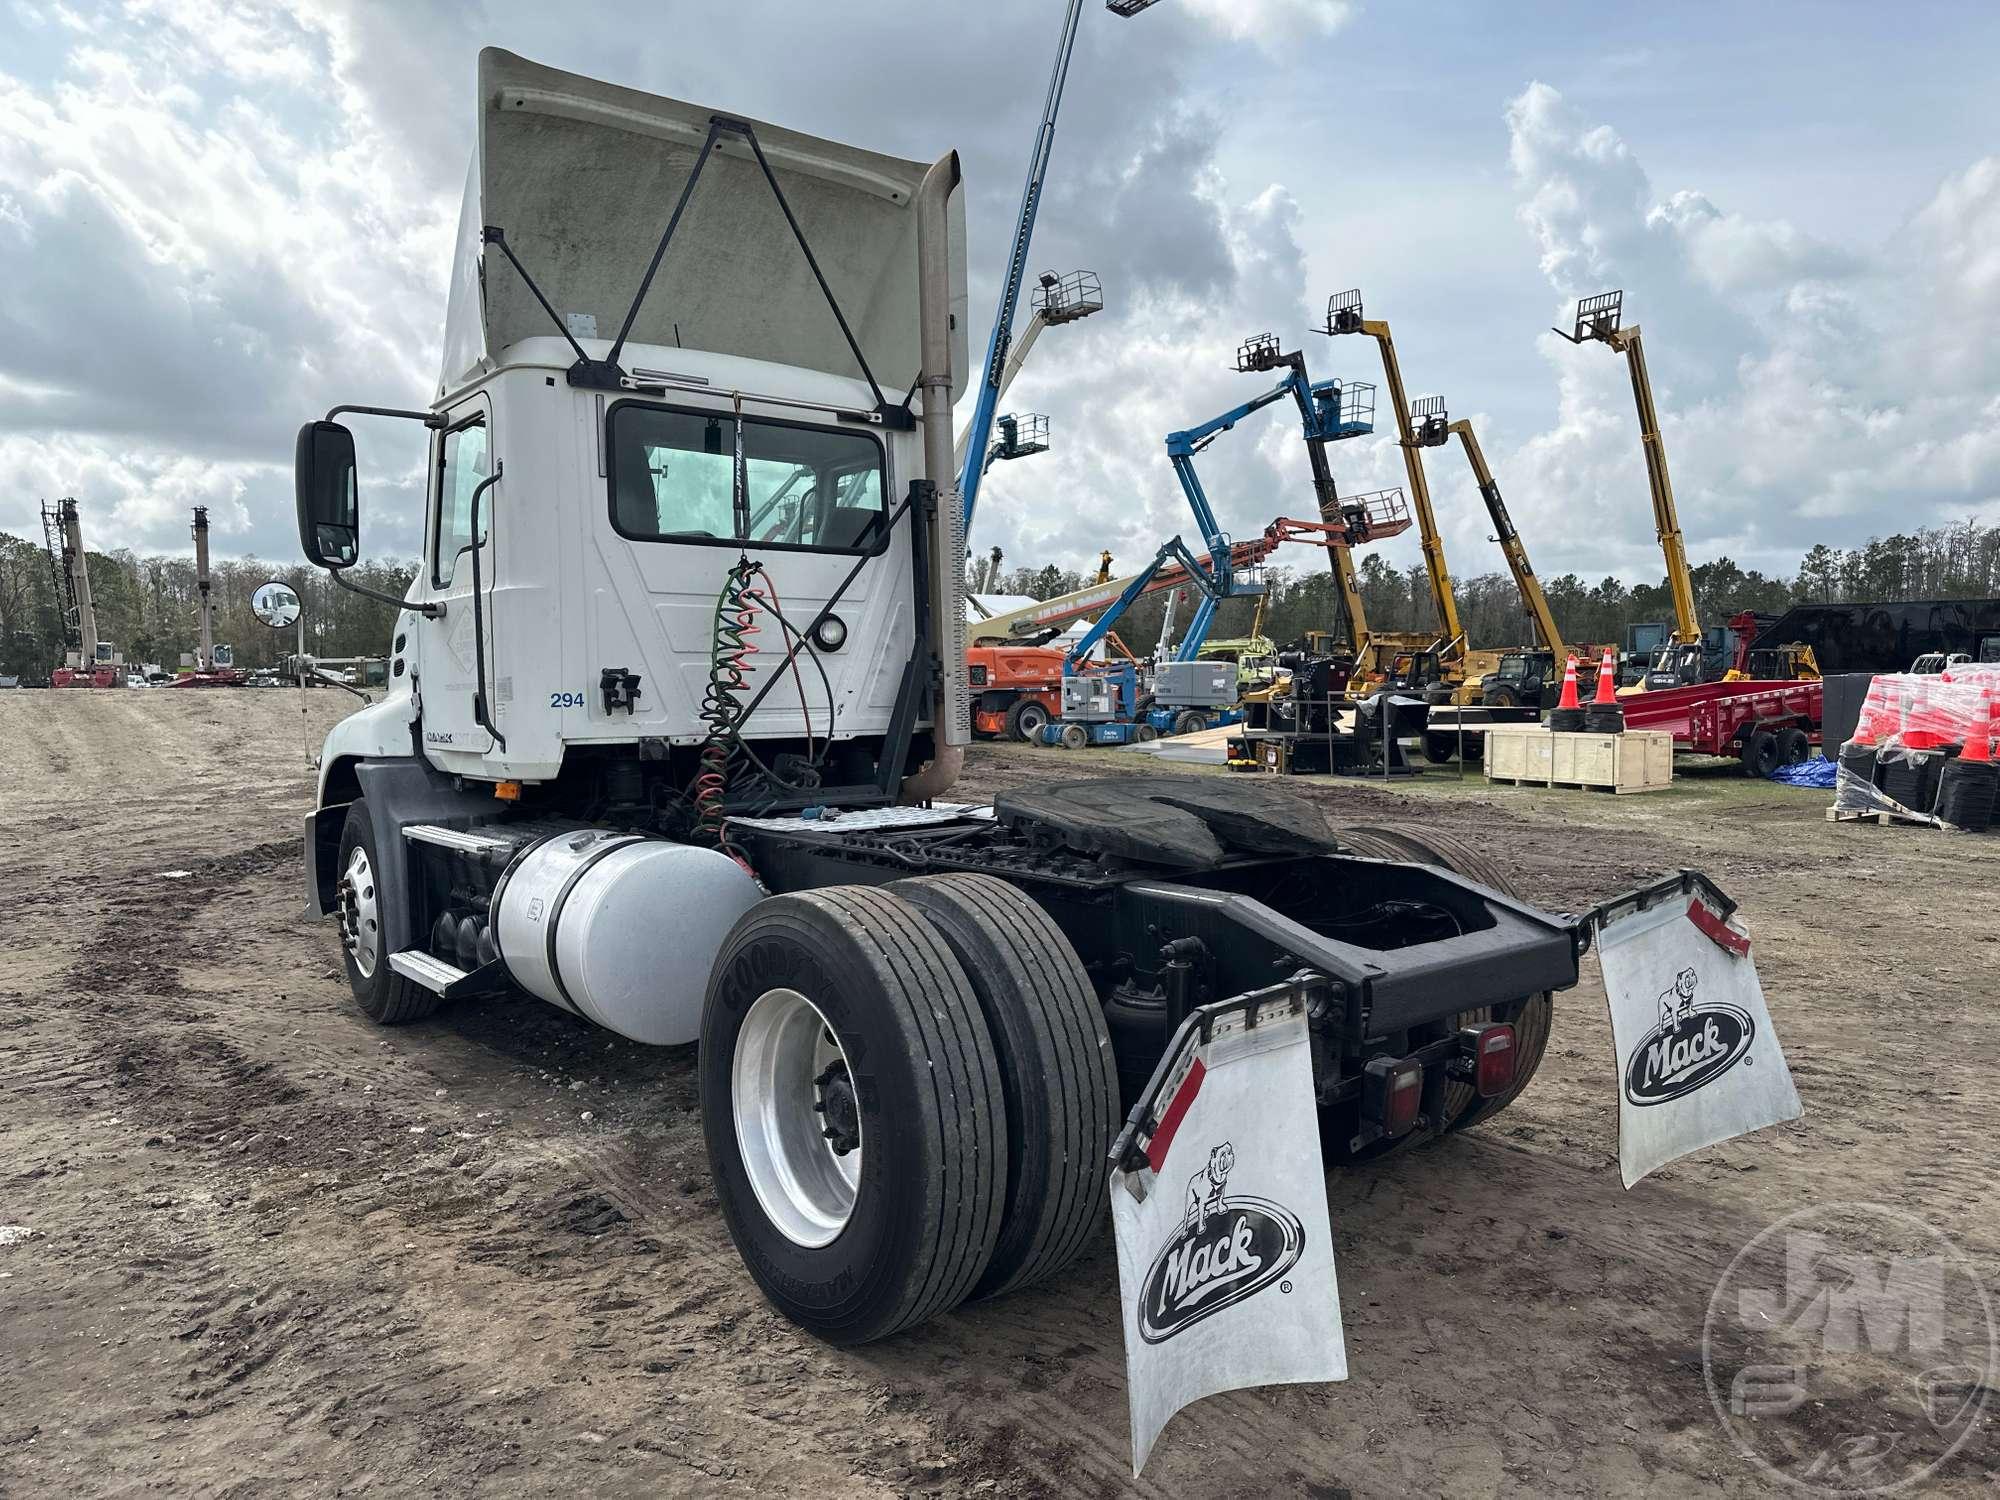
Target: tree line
{"x": 1960, "y": 561}
{"x": 146, "y": 606}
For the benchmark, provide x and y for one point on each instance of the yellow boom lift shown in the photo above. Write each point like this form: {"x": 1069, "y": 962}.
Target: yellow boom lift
{"x": 1597, "y": 318}
{"x": 1419, "y": 425}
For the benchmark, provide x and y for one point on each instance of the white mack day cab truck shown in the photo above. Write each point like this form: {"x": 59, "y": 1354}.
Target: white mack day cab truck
{"x": 677, "y": 693}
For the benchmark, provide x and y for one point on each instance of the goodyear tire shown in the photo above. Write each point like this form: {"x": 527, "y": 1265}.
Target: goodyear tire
{"x": 361, "y": 900}
{"x": 853, "y": 1110}
{"x": 1057, "y": 1073}
{"x": 1025, "y": 720}
{"x": 1531, "y": 1017}
{"x": 1075, "y": 737}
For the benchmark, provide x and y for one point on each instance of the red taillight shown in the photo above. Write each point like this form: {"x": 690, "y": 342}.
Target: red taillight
{"x": 1492, "y": 1058}
{"x": 1394, "y": 1093}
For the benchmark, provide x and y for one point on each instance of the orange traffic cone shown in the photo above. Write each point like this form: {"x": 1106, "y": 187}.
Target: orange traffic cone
{"x": 1607, "y": 680}
{"x": 1605, "y": 714}
{"x": 1567, "y": 716}
{"x": 1979, "y": 736}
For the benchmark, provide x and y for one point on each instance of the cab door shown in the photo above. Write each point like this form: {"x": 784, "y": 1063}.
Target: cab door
{"x": 449, "y": 681}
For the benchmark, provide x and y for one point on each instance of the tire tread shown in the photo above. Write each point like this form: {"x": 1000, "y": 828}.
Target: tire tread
{"x": 1054, "y": 1036}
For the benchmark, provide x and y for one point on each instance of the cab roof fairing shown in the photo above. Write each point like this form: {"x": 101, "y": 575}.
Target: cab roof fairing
{"x": 582, "y": 175}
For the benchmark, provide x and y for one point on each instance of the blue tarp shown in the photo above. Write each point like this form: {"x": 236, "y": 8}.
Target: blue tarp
{"x": 1810, "y": 773}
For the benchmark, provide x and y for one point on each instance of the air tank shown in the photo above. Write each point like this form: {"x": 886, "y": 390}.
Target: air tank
{"x": 619, "y": 928}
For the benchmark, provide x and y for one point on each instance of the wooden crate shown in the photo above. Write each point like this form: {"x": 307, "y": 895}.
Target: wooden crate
{"x": 1639, "y": 760}
{"x": 1520, "y": 754}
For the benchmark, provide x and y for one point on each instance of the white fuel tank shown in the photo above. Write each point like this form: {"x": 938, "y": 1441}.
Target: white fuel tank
{"x": 619, "y": 928}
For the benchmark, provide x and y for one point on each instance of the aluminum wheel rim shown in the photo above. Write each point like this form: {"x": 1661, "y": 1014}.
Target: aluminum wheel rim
{"x": 805, "y": 1189}
{"x": 360, "y": 916}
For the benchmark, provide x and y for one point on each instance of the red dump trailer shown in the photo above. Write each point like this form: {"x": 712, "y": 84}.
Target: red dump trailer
{"x": 1764, "y": 724}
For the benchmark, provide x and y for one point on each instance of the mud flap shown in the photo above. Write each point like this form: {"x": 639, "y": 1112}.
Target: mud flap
{"x": 1698, "y": 1060}
{"x": 1218, "y": 1195}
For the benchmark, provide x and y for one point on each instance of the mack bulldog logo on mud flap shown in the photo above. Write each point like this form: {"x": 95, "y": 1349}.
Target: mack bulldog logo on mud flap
{"x": 1698, "y": 1059}
{"x": 1231, "y": 1106}
{"x": 1225, "y": 1251}
{"x": 1692, "y": 1045}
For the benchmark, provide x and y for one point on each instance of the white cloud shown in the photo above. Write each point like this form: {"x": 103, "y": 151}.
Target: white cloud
{"x": 1798, "y": 382}
{"x": 218, "y": 217}
{"x": 1273, "y": 24}
{"x": 198, "y": 243}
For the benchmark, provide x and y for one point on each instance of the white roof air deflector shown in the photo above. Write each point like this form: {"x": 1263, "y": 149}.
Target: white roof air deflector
{"x": 582, "y": 176}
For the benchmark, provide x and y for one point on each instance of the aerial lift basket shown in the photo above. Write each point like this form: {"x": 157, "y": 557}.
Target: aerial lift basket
{"x": 1022, "y": 435}
{"x": 1064, "y": 299}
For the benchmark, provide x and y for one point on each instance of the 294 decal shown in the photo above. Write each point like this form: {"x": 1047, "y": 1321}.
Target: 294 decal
{"x": 1692, "y": 1045}
{"x": 565, "y": 700}
{"x": 1226, "y": 1249}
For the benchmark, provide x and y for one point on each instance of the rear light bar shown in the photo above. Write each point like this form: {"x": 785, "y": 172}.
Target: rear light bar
{"x": 1392, "y": 1094}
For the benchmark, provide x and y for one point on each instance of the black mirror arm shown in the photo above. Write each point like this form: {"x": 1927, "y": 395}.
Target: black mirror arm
{"x": 331, "y": 681}
{"x": 427, "y": 608}
{"x": 428, "y": 418}
{"x": 434, "y": 420}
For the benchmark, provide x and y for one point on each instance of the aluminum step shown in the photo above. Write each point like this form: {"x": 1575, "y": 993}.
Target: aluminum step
{"x": 434, "y": 974}
{"x": 464, "y": 842}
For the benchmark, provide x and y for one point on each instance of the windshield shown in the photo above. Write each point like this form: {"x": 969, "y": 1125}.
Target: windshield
{"x": 706, "y": 477}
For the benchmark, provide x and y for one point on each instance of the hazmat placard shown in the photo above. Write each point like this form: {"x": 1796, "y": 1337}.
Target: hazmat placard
{"x": 1225, "y": 1247}
{"x": 1698, "y": 1058}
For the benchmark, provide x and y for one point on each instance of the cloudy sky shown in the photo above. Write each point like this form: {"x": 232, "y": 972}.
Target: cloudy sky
{"x": 219, "y": 217}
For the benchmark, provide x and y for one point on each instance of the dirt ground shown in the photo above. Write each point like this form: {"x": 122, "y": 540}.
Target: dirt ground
{"x": 275, "y": 1249}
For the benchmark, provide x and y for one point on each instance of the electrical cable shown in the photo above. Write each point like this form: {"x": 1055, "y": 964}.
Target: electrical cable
{"x": 746, "y": 591}
{"x": 825, "y": 682}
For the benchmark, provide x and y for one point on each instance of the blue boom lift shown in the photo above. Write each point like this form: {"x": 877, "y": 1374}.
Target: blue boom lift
{"x": 1101, "y": 704}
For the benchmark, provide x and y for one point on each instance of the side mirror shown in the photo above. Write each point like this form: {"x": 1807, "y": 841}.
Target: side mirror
{"x": 275, "y": 604}
{"x": 329, "y": 503}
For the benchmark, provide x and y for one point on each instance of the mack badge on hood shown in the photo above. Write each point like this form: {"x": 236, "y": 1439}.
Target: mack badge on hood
{"x": 1698, "y": 1060}
{"x": 1225, "y": 1248}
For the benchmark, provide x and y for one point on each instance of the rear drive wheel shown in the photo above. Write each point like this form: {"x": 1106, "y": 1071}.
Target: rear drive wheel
{"x": 361, "y": 900}
{"x": 1075, "y": 737}
{"x": 852, "y": 1106}
{"x": 1531, "y": 1016}
{"x": 1500, "y": 697}
{"x": 1190, "y": 721}
{"x": 1759, "y": 753}
{"x": 1056, "y": 1069}
{"x": 1794, "y": 745}
{"x": 1025, "y": 720}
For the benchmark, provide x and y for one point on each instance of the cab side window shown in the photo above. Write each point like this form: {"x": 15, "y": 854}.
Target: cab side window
{"x": 461, "y": 467}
